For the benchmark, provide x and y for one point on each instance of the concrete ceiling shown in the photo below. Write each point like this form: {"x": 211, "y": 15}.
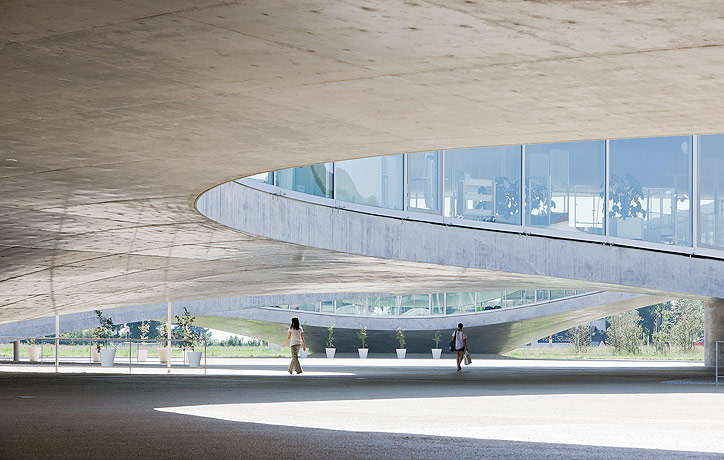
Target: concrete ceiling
{"x": 116, "y": 115}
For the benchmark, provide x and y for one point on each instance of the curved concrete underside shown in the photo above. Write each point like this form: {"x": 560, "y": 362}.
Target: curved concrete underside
{"x": 116, "y": 115}
{"x": 504, "y": 260}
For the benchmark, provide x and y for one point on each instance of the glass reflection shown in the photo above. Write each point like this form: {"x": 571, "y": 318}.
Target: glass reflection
{"x": 267, "y": 177}
{"x": 314, "y": 180}
{"x": 711, "y": 191}
{"x": 383, "y": 305}
{"x": 422, "y": 181}
{"x": 483, "y": 184}
{"x": 371, "y": 181}
{"x": 650, "y": 189}
{"x": 415, "y": 305}
{"x": 352, "y": 307}
{"x": 564, "y": 186}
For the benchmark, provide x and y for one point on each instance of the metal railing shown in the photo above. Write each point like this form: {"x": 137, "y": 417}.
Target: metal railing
{"x": 117, "y": 343}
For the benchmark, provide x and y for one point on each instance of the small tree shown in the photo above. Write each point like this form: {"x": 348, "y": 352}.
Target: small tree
{"x": 185, "y": 330}
{"x": 625, "y": 333}
{"x": 362, "y": 335}
{"x": 660, "y": 336}
{"x": 330, "y": 337}
{"x": 436, "y": 339}
{"x": 687, "y": 322}
{"x": 401, "y": 337}
{"x": 580, "y": 337}
{"x": 103, "y": 331}
{"x": 145, "y": 327}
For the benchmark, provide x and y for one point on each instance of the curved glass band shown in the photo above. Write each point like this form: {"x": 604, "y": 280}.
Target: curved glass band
{"x": 659, "y": 191}
{"x": 441, "y": 304}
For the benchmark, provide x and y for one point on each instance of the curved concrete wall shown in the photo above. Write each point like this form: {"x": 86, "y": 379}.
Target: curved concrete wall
{"x": 513, "y": 259}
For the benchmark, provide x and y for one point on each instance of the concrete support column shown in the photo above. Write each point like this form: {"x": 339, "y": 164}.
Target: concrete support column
{"x": 16, "y": 351}
{"x": 713, "y": 331}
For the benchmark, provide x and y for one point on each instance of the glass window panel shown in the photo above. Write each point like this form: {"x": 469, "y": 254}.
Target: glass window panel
{"x": 528, "y": 296}
{"x": 557, "y": 294}
{"x": 488, "y": 300}
{"x": 267, "y": 177}
{"x": 383, "y": 305}
{"x": 564, "y": 186}
{"x": 308, "y": 307}
{"x": 437, "y": 303}
{"x": 453, "y": 303}
{"x": 314, "y": 180}
{"x": 542, "y": 295}
{"x": 422, "y": 181}
{"x": 711, "y": 191}
{"x": 371, "y": 181}
{"x": 327, "y": 307}
{"x": 650, "y": 189}
{"x": 513, "y": 298}
{"x": 352, "y": 307}
{"x": 483, "y": 184}
{"x": 415, "y": 305}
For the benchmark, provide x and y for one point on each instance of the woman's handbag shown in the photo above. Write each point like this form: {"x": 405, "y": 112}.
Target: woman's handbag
{"x": 452, "y": 342}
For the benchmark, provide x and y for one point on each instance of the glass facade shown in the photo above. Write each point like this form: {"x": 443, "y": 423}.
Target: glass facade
{"x": 423, "y": 173}
{"x": 440, "y": 304}
{"x": 371, "y": 181}
{"x": 711, "y": 191}
{"x": 483, "y": 184}
{"x": 564, "y": 186}
{"x": 313, "y": 180}
{"x": 640, "y": 190}
{"x": 650, "y": 189}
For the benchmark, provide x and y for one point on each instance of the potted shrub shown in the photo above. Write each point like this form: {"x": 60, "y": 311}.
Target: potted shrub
{"x": 164, "y": 352}
{"x": 401, "y": 352}
{"x": 330, "y": 350}
{"x": 185, "y": 324}
{"x": 437, "y": 350}
{"x": 362, "y": 335}
{"x": 33, "y": 350}
{"x": 102, "y": 332}
{"x": 144, "y": 329}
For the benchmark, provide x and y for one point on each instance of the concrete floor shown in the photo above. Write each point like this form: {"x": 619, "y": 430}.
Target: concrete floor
{"x": 345, "y": 408}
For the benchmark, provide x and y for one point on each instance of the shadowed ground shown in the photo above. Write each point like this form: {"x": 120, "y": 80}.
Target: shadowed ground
{"x": 516, "y": 410}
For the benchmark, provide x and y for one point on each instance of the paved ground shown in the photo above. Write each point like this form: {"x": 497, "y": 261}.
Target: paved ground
{"x": 347, "y": 408}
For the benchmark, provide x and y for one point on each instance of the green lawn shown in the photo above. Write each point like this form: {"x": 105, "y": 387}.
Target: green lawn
{"x": 563, "y": 351}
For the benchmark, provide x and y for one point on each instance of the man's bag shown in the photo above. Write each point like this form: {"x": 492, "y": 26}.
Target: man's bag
{"x": 468, "y": 358}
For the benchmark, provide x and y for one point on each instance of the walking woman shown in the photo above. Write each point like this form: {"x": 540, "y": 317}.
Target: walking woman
{"x": 461, "y": 343}
{"x": 296, "y": 334}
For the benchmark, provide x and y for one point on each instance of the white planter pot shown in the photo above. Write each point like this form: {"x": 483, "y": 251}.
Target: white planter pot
{"x": 194, "y": 358}
{"x": 330, "y": 352}
{"x": 163, "y": 355}
{"x": 107, "y": 357}
{"x": 95, "y": 356}
{"x": 142, "y": 355}
{"x": 436, "y": 353}
{"x": 363, "y": 352}
{"x": 303, "y": 353}
{"x": 34, "y": 353}
{"x": 401, "y": 352}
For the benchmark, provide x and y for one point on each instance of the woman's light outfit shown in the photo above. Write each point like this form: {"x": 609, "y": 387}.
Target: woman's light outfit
{"x": 459, "y": 337}
{"x": 296, "y": 343}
